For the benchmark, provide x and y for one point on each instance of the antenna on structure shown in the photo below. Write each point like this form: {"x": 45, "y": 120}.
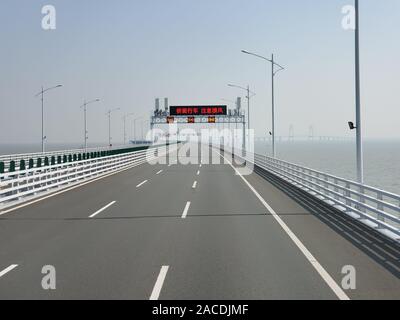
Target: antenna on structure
{"x": 291, "y": 133}
{"x": 311, "y": 133}
{"x": 166, "y": 104}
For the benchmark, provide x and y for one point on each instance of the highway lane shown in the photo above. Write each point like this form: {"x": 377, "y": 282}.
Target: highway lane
{"x": 338, "y": 241}
{"x": 228, "y": 247}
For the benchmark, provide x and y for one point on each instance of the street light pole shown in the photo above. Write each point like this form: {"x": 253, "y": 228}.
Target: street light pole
{"x": 142, "y": 122}
{"x": 85, "y": 125}
{"x": 134, "y": 128}
{"x": 273, "y": 106}
{"x": 248, "y": 109}
{"x": 250, "y": 94}
{"x": 248, "y": 106}
{"x": 109, "y": 124}
{"x": 84, "y": 106}
{"x": 124, "y": 118}
{"x": 273, "y": 74}
{"x": 43, "y": 150}
{"x": 360, "y": 164}
{"x": 41, "y": 93}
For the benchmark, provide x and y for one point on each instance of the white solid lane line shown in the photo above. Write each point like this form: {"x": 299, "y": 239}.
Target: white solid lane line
{"x": 8, "y": 269}
{"x": 102, "y": 209}
{"x": 185, "y": 211}
{"x": 314, "y": 262}
{"x": 159, "y": 283}
{"x": 198, "y": 172}
{"x": 194, "y": 185}
{"x": 142, "y": 183}
{"x": 159, "y": 172}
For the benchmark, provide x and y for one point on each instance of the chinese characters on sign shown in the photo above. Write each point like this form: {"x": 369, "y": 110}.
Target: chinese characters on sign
{"x": 199, "y": 111}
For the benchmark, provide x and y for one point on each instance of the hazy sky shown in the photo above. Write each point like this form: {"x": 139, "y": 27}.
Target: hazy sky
{"x": 127, "y": 52}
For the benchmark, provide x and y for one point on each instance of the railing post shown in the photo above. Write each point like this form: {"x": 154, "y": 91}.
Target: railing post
{"x": 380, "y": 207}
{"x": 347, "y": 194}
{"x": 12, "y": 166}
{"x": 317, "y": 182}
{"x": 327, "y": 186}
{"x": 304, "y": 177}
{"x": 336, "y": 189}
{"x": 361, "y": 199}
{"x": 398, "y": 214}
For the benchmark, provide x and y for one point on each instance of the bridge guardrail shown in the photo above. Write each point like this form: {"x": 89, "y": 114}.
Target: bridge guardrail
{"x": 377, "y": 208}
{"x": 14, "y": 161}
{"x": 26, "y": 156}
{"x": 20, "y": 186}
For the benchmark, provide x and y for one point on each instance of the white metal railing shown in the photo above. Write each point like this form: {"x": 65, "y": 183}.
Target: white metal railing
{"x": 23, "y": 185}
{"x": 26, "y": 156}
{"x": 377, "y": 208}
{"x": 6, "y": 159}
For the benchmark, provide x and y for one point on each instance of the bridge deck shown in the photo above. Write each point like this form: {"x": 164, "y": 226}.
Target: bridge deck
{"x": 228, "y": 247}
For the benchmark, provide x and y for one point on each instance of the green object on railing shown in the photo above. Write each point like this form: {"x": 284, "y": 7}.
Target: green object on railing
{"x": 39, "y": 163}
{"x": 53, "y": 160}
{"x": 59, "y": 160}
{"x": 84, "y": 156}
{"x": 12, "y": 166}
{"x": 70, "y": 158}
{"x": 46, "y": 161}
{"x": 65, "y": 158}
{"x": 31, "y": 164}
{"x": 79, "y": 157}
{"x": 74, "y": 157}
{"x": 1, "y": 167}
{"x": 22, "y": 165}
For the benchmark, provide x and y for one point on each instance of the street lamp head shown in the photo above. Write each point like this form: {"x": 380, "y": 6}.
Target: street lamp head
{"x": 351, "y": 125}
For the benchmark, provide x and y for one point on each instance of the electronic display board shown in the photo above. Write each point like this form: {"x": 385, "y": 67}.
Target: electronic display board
{"x": 198, "y": 110}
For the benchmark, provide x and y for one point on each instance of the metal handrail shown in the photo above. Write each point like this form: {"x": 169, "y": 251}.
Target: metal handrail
{"x": 326, "y": 191}
{"x": 20, "y": 186}
{"x": 25, "y": 156}
{"x": 379, "y": 208}
{"x": 35, "y": 156}
{"x": 366, "y": 187}
{"x": 350, "y": 191}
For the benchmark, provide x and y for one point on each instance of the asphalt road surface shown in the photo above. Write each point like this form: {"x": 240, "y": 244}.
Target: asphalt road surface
{"x": 190, "y": 232}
